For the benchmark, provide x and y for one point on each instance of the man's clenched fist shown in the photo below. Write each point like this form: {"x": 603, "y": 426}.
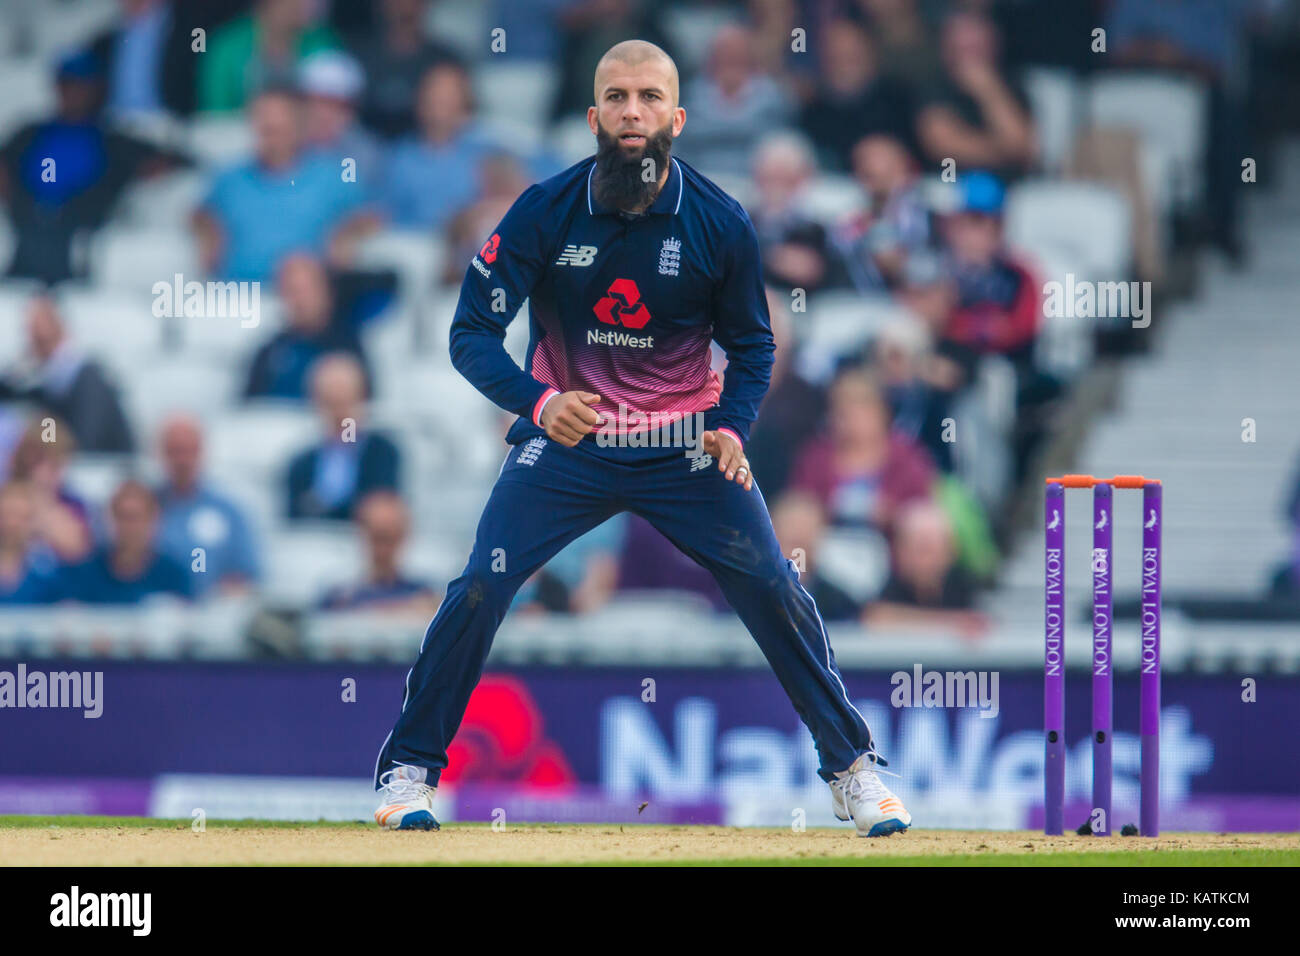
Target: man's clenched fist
{"x": 569, "y": 415}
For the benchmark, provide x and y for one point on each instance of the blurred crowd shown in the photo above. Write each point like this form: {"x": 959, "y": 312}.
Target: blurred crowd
{"x": 362, "y": 120}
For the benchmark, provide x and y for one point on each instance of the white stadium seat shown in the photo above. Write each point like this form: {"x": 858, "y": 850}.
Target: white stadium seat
{"x": 1170, "y": 113}
{"x": 230, "y": 338}
{"x": 260, "y": 438}
{"x": 1064, "y": 228}
{"x": 1088, "y": 224}
{"x": 1055, "y": 100}
{"x": 838, "y": 324}
{"x": 65, "y": 27}
{"x": 441, "y": 403}
{"x": 219, "y": 141}
{"x": 514, "y": 135}
{"x": 415, "y": 256}
{"x": 389, "y": 344}
{"x": 464, "y": 26}
{"x": 163, "y": 202}
{"x": 170, "y": 384}
{"x": 28, "y": 93}
{"x": 261, "y": 502}
{"x": 519, "y": 91}
{"x": 137, "y": 258}
{"x": 110, "y": 324}
{"x": 15, "y": 294}
{"x": 692, "y": 28}
{"x": 739, "y": 188}
{"x": 8, "y": 241}
{"x": 571, "y": 140}
{"x": 94, "y": 478}
{"x": 304, "y": 560}
{"x": 832, "y": 197}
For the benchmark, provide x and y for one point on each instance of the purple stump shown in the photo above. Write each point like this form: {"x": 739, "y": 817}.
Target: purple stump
{"x": 1149, "y": 668}
{"x": 1054, "y": 662}
{"x": 1102, "y": 615}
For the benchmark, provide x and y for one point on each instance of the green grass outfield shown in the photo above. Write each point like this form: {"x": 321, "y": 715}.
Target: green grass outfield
{"x": 933, "y": 848}
{"x": 24, "y": 821}
{"x": 1193, "y": 858}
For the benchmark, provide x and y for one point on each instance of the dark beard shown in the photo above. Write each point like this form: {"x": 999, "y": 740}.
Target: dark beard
{"x": 618, "y": 183}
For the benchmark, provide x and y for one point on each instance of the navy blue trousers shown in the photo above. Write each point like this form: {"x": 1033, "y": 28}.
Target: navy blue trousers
{"x": 546, "y": 496}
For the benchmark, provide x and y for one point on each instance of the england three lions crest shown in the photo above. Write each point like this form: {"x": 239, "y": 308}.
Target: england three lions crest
{"x": 670, "y": 257}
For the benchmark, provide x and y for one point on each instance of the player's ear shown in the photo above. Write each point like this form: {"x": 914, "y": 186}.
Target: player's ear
{"x": 592, "y": 119}
{"x": 679, "y": 120}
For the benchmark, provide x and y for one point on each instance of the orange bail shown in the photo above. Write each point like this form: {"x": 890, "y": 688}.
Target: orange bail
{"x": 1133, "y": 481}
{"x": 1076, "y": 481}
{"x": 1088, "y": 481}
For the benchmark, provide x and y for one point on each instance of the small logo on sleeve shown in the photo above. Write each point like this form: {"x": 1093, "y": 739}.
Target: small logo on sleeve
{"x": 487, "y": 254}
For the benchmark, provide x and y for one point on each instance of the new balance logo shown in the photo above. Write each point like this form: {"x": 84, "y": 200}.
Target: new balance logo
{"x": 532, "y": 450}
{"x": 701, "y": 461}
{"x": 577, "y": 256}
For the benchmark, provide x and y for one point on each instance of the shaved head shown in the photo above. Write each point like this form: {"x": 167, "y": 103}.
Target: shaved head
{"x": 635, "y": 119}
{"x": 628, "y": 56}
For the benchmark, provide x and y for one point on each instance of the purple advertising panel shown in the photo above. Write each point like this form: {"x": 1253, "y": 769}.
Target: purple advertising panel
{"x": 649, "y": 743}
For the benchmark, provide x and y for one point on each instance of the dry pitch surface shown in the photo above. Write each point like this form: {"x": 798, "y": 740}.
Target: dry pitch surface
{"x": 71, "y": 841}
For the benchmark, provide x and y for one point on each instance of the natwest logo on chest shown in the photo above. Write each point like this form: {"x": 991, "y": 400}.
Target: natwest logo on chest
{"x": 622, "y": 305}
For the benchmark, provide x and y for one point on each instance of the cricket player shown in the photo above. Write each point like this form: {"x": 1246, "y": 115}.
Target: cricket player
{"x": 633, "y": 263}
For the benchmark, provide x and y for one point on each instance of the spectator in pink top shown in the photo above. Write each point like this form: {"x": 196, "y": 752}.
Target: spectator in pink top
{"x": 861, "y": 470}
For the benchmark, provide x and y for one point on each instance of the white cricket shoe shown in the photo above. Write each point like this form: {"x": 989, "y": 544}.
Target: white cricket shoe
{"x": 406, "y": 801}
{"x": 858, "y": 795}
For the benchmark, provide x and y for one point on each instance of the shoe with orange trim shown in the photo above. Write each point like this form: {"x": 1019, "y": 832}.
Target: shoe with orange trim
{"x": 858, "y": 795}
{"x": 407, "y": 801}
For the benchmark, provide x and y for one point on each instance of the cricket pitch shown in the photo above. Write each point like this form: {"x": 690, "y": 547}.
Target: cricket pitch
{"x": 114, "y": 841}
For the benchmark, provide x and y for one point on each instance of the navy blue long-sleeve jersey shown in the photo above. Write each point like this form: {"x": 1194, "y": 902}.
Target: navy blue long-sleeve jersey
{"x": 622, "y": 306}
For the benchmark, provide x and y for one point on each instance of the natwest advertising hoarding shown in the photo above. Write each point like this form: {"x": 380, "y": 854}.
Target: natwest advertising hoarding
{"x": 652, "y": 744}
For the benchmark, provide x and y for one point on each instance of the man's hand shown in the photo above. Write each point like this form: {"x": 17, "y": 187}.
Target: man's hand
{"x": 568, "y": 416}
{"x": 731, "y": 459}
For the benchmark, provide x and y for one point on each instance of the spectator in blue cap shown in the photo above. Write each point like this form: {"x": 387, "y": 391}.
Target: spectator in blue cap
{"x": 982, "y": 192}
{"x": 998, "y": 301}
{"x": 999, "y": 307}
{"x": 62, "y": 175}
